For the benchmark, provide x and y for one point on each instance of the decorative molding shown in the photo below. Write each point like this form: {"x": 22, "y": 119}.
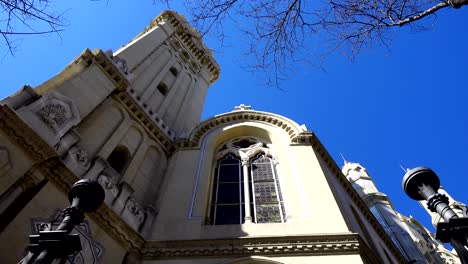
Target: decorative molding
{"x": 324, "y": 244}
{"x": 289, "y": 126}
{"x": 99, "y": 58}
{"x": 257, "y": 146}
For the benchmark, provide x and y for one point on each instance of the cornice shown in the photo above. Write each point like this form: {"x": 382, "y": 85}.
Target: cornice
{"x": 289, "y": 126}
{"x": 311, "y": 139}
{"x": 146, "y": 121}
{"x": 190, "y": 37}
{"x": 49, "y": 164}
{"x": 84, "y": 60}
{"x": 323, "y": 244}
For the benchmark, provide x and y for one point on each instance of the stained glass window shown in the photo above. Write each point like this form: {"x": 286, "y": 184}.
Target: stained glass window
{"x": 228, "y": 188}
{"x": 268, "y": 200}
{"x": 227, "y": 198}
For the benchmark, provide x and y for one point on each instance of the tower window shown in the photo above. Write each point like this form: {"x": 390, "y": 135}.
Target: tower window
{"x": 119, "y": 159}
{"x": 162, "y": 87}
{"x": 174, "y": 71}
{"x": 229, "y": 194}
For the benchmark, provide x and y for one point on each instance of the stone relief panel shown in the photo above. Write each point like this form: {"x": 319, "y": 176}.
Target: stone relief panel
{"x": 91, "y": 252}
{"x": 78, "y": 160}
{"x": 57, "y": 112}
{"x": 109, "y": 181}
{"x": 133, "y": 214}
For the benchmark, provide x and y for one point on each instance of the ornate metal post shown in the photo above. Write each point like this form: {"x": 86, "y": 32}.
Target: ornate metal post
{"x": 85, "y": 196}
{"x": 422, "y": 183}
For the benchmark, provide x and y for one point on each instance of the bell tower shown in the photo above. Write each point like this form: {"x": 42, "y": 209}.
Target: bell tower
{"x": 170, "y": 70}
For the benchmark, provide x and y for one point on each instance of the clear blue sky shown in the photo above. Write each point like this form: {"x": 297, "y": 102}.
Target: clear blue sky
{"x": 407, "y": 106}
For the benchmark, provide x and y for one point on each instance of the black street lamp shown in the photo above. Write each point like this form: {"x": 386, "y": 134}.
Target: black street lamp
{"x": 85, "y": 196}
{"x": 422, "y": 183}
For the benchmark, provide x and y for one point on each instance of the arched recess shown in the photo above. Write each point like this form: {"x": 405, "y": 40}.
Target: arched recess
{"x": 253, "y": 260}
{"x": 119, "y": 159}
{"x": 273, "y": 136}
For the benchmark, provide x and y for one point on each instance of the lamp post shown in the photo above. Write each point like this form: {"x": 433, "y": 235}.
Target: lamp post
{"x": 85, "y": 196}
{"x": 422, "y": 183}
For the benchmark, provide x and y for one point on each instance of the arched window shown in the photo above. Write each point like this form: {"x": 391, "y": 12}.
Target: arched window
{"x": 268, "y": 199}
{"x": 163, "y": 88}
{"x": 227, "y": 206}
{"x": 174, "y": 71}
{"x": 119, "y": 159}
{"x": 245, "y": 185}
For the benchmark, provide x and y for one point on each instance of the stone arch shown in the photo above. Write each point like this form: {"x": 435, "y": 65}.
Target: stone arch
{"x": 290, "y": 128}
{"x": 268, "y": 133}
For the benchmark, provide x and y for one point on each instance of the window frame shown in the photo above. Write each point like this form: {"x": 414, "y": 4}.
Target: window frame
{"x": 258, "y": 149}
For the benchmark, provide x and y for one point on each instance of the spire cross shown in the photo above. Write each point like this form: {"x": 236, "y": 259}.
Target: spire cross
{"x": 242, "y": 107}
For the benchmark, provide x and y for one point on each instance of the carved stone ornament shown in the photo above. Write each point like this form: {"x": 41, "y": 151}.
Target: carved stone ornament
{"x": 110, "y": 187}
{"x": 54, "y": 115}
{"x": 121, "y": 64}
{"x": 244, "y": 147}
{"x": 136, "y": 210}
{"x": 57, "y": 111}
{"x": 82, "y": 156}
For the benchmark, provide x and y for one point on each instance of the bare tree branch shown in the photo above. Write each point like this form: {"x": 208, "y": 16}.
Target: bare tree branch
{"x": 282, "y": 31}
{"x": 27, "y": 17}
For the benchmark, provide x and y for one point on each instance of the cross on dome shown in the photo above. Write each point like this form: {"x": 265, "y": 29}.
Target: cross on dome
{"x": 242, "y": 107}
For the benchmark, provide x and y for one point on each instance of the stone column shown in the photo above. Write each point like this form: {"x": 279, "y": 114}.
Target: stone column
{"x": 245, "y": 168}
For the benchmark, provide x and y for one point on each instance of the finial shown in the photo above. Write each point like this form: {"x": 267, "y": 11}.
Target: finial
{"x": 242, "y": 107}
{"x": 404, "y": 170}
{"x": 344, "y": 160}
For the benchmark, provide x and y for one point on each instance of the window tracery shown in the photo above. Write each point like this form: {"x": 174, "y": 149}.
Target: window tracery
{"x": 245, "y": 185}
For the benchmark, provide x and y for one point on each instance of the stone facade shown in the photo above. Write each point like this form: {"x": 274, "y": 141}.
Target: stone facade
{"x": 130, "y": 119}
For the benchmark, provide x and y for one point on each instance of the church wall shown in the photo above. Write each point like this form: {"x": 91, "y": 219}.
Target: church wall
{"x": 184, "y": 208}
{"x": 110, "y": 126}
{"x": 87, "y": 89}
{"x": 142, "y": 46}
{"x": 13, "y": 164}
{"x": 42, "y": 208}
{"x": 355, "y": 219}
{"x": 100, "y": 125}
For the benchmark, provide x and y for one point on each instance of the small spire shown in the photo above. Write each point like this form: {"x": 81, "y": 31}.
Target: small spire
{"x": 405, "y": 170}
{"x": 344, "y": 160}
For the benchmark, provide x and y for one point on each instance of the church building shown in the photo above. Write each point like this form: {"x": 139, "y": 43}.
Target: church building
{"x": 242, "y": 187}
